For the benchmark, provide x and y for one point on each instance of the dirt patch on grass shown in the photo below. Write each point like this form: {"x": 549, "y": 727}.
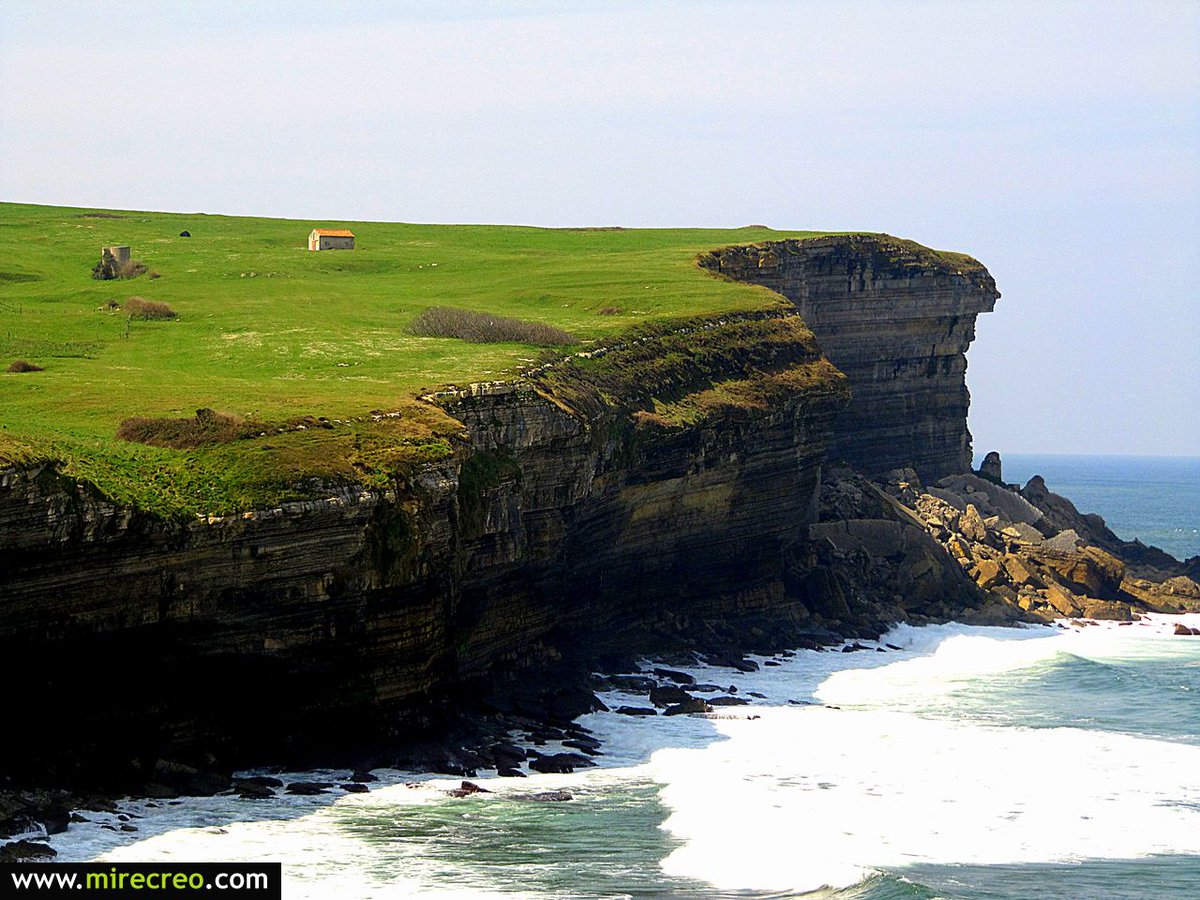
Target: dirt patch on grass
{"x": 22, "y": 365}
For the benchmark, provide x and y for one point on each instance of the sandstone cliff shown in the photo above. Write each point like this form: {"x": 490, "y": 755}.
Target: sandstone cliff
{"x": 897, "y": 318}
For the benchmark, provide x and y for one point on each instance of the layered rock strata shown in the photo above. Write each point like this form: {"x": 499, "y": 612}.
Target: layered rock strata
{"x": 897, "y": 318}
{"x": 609, "y": 506}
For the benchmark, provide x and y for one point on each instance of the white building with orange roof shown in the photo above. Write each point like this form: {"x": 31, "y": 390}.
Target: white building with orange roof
{"x": 331, "y": 239}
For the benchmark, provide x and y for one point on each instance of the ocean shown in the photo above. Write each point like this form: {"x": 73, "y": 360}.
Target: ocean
{"x": 970, "y": 762}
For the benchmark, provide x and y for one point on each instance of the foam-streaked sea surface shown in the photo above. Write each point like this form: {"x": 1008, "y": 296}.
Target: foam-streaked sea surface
{"x": 1155, "y": 499}
{"x": 973, "y": 762}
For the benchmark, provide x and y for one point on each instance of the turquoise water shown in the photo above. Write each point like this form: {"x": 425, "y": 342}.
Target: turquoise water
{"x": 1153, "y": 498}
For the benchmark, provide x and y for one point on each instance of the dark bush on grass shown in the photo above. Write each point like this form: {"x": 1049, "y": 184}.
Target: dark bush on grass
{"x": 108, "y": 269}
{"x": 207, "y": 427}
{"x": 485, "y": 328}
{"x": 141, "y": 308}
{"x": 22, "y": 365}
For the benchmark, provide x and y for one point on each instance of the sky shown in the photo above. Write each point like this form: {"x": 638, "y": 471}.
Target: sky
{"x": 1059, "y": 143}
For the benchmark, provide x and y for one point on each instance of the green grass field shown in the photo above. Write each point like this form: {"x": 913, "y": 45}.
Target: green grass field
{"x": 270, "y": 331}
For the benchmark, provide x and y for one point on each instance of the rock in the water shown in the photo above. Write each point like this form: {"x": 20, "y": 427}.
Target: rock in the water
{"x": 727, "y": 701}
{"x": 1182, "y": 629}
{"x": 19, "y": 851}
{"x": 560, "y": 763}
{"x": 632, "y": 684}
{"x": 355, "y": 787}
{"x": 308, "y": 788}
{"x": 677, "y": 677}
{"x": 637, "y": 711}
{"x": 362, "y": 776}
{"x": 691, "y": 705}
{"x": 466, "y": 789}
{"x": 668, "y": 695}
{"x": 990, "y": 468}
{"x": 590, "y": 748}
{"x": 510, "y": 772}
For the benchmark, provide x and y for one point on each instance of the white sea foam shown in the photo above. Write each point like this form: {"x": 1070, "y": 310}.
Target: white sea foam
{"x": 774, "y": 796}
{"x": 802, "y": 798}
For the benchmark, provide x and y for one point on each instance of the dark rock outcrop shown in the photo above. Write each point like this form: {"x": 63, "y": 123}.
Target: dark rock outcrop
{"x": 897, "y": 318}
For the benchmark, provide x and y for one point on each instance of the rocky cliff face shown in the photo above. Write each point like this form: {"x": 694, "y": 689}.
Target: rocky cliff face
{"x": 897, "y": 318}
{"x": 613, "y": 504}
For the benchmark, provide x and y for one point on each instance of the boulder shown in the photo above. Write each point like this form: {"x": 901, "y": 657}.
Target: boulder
{"x": 1063, "y": 600}
{"x": 971, "y": 524}
{"x": 1088, "y": 570}
{"x": 1067, "y": 541}
{"x": 1181, "y": 629}
{"x": 636, "y": 711}
{"x": 727, "y": 701}
{"x": 990, "y": 468}
{"x": 1022, "y": 533}
{"x": 308, "y": 788}
{"x": 466, "y": 789}
{"x": 666, "y": 695}
{"x": 992, "y": 498}
{"x": 1020, "y": 571}
{"x": 691, "y": 705}
{"x": 1109, "y": 610}
{"x": 20, "y": 851}
{"x": 563, "y": 763}
{"x": 632, "y": 684}
{"x": 677, "y": 677}
{"x": 988, "y": 574}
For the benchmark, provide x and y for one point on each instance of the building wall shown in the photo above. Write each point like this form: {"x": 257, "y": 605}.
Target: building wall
{"x": 330, "y": 242}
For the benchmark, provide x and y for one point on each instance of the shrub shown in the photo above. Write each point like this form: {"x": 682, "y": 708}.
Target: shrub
{"x": 141, "y": 308}
{"x": 485, "y": 328}
{"x": 108, "y": 268}
{"x": 22, "y": 365}
{"x": 207, "y": 427}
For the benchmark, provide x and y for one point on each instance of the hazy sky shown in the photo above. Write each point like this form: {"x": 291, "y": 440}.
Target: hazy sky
{"x": 1057, "y": 142}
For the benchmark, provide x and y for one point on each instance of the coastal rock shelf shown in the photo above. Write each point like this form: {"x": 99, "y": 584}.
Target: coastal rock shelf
{"x": 897, "y": 318}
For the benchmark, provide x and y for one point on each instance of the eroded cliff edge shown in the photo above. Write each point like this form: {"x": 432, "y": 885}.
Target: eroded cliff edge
{"x": 897, "y": 318}
{"x": 649, "y": 495}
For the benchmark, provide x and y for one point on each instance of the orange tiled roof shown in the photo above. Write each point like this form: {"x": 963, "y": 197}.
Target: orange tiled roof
{"x": 334, "y": 232}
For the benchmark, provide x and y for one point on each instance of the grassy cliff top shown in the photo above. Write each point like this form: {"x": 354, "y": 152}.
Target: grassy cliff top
{"x": 272, "y": 333}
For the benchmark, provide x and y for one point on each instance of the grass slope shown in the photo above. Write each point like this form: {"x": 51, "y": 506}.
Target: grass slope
{"x": 268, "y": 331}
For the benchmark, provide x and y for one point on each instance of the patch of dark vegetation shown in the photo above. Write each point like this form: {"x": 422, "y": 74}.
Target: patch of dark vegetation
{"x": 18, "y": 277}
{"x": 100, "y": 215}
{"x": 207, "y": 428}
{"x": 609, "y": 311}
{"x": 484, "y": 328}
{"x": 109, "y": 269}
{"x": 22, "y": 365}
{"x": 141, "y": 308}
